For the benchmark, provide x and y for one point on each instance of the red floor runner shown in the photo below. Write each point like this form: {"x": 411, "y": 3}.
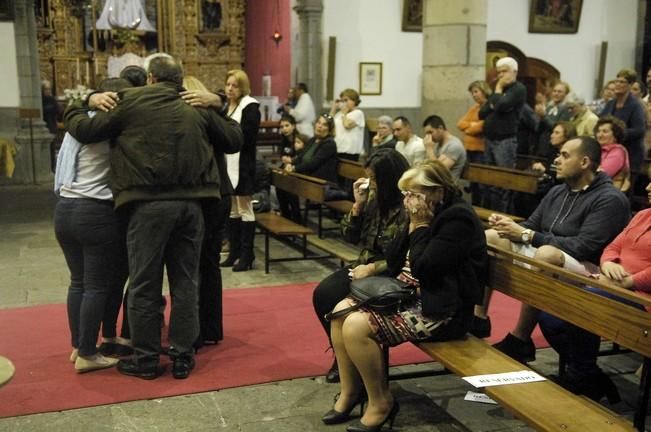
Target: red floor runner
{"x": 271, "y": 335}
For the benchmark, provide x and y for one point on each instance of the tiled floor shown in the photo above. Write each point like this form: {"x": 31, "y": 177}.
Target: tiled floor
{"x": 33, "y": 272}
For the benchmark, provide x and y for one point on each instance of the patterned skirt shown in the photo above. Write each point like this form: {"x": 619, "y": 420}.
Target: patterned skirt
{"x": 408, "y": 324}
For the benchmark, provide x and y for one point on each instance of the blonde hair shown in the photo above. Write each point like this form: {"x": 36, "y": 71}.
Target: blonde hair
{"x": 482, "y": 86}
{"x": 428, "y": 175}
{"x": 242, "y": 80}
{"x": 192, "y": 83}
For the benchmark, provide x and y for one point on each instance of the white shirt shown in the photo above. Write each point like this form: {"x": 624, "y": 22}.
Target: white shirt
{"x": 92, "y": 176}
{"x": 305, "y": 115}
{"x": 413, "y": 150}
{"x": 351, "y": 140}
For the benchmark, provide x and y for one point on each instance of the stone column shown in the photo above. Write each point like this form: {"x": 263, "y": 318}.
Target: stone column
{"x": 454, "y": 53}
{"x": 33, "y": 138}
{"x": 309, "y": 36}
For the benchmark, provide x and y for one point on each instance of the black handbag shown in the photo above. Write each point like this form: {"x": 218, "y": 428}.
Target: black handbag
{"x": 380, "y": 293}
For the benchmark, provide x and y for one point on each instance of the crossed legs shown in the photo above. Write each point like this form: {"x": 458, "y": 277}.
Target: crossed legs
{"x": 360, "y": 362}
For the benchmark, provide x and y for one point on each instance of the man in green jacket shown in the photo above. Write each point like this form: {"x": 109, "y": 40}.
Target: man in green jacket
{"x": 162, "y": 165}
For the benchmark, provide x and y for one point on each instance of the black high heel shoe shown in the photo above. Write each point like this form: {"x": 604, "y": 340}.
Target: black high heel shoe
{"x": 335, "y": 417}
{"x": 358, "y": 426}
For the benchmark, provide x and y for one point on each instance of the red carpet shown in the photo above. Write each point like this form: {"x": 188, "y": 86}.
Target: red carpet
{"x": 271, "y": 335}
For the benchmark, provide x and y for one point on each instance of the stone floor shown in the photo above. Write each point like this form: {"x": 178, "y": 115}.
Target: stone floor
{"x": 33, "y": 272}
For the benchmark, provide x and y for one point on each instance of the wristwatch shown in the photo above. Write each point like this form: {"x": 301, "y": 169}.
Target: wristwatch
{"x": 526, "y": 236}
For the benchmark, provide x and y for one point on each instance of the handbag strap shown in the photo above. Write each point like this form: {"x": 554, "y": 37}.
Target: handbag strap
{"x": 338, "y": 314}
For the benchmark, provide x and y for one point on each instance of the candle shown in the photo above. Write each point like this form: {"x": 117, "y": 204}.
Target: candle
{"x": 96, "y": 66}
{"x": 87, "y": 73}
{"x": 77, "y": 77}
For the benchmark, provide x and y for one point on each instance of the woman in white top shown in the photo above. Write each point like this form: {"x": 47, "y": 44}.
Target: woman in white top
{"x": 241, "y": 170}
{"x": 349, "y": 125}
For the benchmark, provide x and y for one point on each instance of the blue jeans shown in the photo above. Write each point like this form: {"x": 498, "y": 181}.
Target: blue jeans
{"x": 164, "y": 234}
{"x": 579, "y": 347}
{"x": 501, "y": 153}
{"x": 89, "y": 235}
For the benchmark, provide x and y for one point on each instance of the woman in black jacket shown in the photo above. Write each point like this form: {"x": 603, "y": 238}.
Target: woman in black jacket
{"x": 443, "y": 255}
{"x": 241, "y": 169}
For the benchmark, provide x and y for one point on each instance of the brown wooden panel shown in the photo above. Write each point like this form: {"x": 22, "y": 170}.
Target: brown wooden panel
{"x": 350, "y": 169}
{"x": 279, "y": 225}
{"x": 299, "y": 185}
{"x": 511, "y": 179}
{"x": 484, "y": 214}
{"x": 543, "y": 405}
{"x": 340, "y": 206}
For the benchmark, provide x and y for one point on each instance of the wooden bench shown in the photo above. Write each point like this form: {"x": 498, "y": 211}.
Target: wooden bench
{"x": 346, "y": 252}
{"x": 349, "y": 170}
{"x": 269, "y": 135}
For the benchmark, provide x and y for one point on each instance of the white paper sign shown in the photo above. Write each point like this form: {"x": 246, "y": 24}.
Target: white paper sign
{"x": 478, "y": 397}
{"x": 519, "y": 377}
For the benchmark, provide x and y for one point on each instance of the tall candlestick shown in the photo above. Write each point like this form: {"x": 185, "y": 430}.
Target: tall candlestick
{"x": 87, "y": 73}
{"x": 77, "y": 77}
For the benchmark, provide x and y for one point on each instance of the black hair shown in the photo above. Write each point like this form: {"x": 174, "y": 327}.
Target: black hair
{"x": 435, "y": 122}
{"x": 590, "y": 147}
{"x": 387, "y": 165}
{"x": 166, "y": 69}
{"x": 113, "y": 84}
{"x": 288, "y": 118}
{"x": 403, "y": 119}
{"x": 302, "y": 86}
{"x": 136, "y": 75}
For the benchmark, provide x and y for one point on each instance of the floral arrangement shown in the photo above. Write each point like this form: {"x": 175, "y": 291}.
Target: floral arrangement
{"x": 80, "y": 92}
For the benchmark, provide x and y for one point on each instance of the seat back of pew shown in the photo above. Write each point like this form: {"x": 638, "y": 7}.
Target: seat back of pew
{"x": 563, "y": 294}
{"x": 505, "y": 178}
{"x": 350, "y": 169}
{"x": 307, "y": 187}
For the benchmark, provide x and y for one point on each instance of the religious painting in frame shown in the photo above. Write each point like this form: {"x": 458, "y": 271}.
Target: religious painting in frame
{"x": 370, "y": 78}
{"x": 412, "y": 15}
{"x": 555, "y": 16}
{"x": 6, "y": 10}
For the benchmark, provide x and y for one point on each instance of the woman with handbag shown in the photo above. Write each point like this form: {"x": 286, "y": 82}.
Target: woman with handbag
{"x": 442, "y": 254}
{"x": 375, "y": 219}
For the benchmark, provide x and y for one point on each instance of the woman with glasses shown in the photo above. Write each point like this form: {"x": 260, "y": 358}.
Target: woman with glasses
{"x": 442, "y": 254}
{"x": 375, "y": 219}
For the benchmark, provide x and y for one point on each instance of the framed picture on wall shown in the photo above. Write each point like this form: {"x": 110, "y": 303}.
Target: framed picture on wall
{"x": 412, "y": 15}
{"x": 6, "y": 10}
{"x": 555, "y": 16}
{"x": 370, "y": 78}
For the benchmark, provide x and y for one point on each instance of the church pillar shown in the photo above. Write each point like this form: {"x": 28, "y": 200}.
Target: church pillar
{"x": 454, "y": 53}
{"x": 309, "y": 35}
{"x": 32, "y": 139}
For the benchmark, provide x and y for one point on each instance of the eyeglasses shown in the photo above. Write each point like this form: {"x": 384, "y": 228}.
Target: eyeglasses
{"x": 408, "y": 194}
{"x": 327, "y": 116}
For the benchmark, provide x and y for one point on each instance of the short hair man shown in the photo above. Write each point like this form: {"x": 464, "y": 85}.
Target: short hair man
{"x": 162, "y": 165}
{"x": 304, "y": 111}
{"x": 501, "y": 115}
{"x": 569, "y": 228}
{"x": 409, "y": 144}
{"x": 629, "y": 109}
{"x": 583, "y": 119}
{"x": 442, "y": 145}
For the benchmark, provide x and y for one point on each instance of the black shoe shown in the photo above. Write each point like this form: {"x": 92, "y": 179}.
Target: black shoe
{"x": 517, "y": 349}
{"x": 335, "y": 417}
{"x": 333, "y": 374}
{"x": 114, "y": 349}
{"x": 358, "y": 426}
{"x": 481, "y": 327}
{"x": 148, "y": 370}
{"x": 594, "y": 386}
{"x": 182, "y": 367}
{"x": 243, "y": 264}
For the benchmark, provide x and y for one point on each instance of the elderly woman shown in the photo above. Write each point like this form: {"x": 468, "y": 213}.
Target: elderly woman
{"x": 349, "y": 125}
{"x": 609, "y": 132}
{"x": 442, "y": 254}
{"x": 583, "y": 119}
{"x": 375, "y": 219}
{"x": 241, "y": 169}
{"x": 383, "y": 137}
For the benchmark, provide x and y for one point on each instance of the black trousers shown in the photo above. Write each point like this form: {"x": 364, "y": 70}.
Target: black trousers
{"x": 328, "y": 293}
{"x": 210, "y": 287}
{"x": 164, "y": 233}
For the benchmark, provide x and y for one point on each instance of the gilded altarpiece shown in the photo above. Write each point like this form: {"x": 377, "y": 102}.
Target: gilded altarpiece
{"x": 183, "y": 29}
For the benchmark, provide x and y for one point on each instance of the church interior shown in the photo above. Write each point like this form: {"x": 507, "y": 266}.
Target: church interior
{"x": 404, "y": 58}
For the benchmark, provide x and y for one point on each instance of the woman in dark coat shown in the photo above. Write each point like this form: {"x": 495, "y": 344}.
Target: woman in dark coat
{"x": 241, "y": 170}
{"x": 443, "y": 256}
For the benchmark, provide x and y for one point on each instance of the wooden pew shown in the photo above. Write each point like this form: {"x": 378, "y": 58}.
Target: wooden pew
{"x": 269, "y": 135}
{"x": 545, "y": 405}
{"x": 350, "y": 170}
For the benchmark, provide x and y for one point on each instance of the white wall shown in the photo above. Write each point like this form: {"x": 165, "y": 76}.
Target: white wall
{"x": 369, "y": 31}
{"x": 9, "y": 91}
{"x": 576, "y": 56}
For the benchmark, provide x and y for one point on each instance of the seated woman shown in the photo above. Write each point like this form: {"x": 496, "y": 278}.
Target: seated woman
{"x": 292, "y": 141}
{"x": 609, "y": 131}
{"x": 318, "y": 159}
{"x": 626, "y": 262}
{"x": 375, "y": 219}
{"x": 443, "y": 254}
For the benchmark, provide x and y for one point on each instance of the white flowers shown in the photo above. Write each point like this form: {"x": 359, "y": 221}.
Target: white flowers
{"x": 80, "y": 92}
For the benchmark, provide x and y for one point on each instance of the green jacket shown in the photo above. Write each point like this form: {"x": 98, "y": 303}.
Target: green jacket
{"x": 161, "y": 147}
{"x": 373, "y": 233}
